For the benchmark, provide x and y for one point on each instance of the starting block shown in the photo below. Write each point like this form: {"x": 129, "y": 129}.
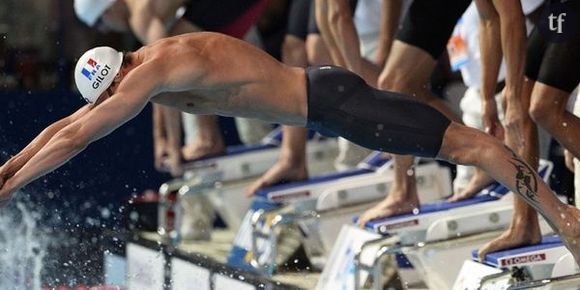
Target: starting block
{"x": 226, "y": 177}
{"x": 247, "y": 161}
{"x": 439, "y": 236}
{"x": 512, "y": 269}
{"x": 321, "y": 205}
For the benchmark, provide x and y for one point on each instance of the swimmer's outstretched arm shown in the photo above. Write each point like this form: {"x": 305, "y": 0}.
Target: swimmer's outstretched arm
{"x": 19, "y": 160}
{"x": 131, "y": 97}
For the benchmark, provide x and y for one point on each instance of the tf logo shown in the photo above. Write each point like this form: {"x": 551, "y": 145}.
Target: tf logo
{"x": 559, "y": 21}
{"x": 90, "y": 69}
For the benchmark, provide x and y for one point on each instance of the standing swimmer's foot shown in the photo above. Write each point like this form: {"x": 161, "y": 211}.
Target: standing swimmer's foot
{"x": 282, "y": 171}
{"x": 478, "y": 182}
{"x": 203, "y": 148}
{"x": 519, "y": 234}
{"x": 396, "y": 203}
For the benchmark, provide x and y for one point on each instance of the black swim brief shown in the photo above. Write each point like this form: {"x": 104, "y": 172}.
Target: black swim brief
{"x": 340, "y": 103}
{"x": 298, "y": 18}
{"x": 428, "y": 24}
{"x": 556, "y": 63}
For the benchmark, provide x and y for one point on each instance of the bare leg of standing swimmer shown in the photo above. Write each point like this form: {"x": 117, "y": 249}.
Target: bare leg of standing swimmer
{"x": 167, "y": 139}
{"x": 209, "y": 141}
{"x": 549, "y": 111}
{"x": 298, "y": 51}
{"x": 410, "y": 78}
{"x": 551, "y": 75}
{"x": 338, "y": 30}
{"x": 468, "y": 146}
{"x": 525, "y": 226}
{"x": 291, "y": 165}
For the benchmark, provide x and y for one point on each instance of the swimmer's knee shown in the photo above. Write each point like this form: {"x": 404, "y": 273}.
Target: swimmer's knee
{"x": 399, "y": 82}
{"x": 466, "y": 146}
{"x": 294, "y": 51}
{"x": 541, "y": 111}
{"x": 394, "y": 81}
{"x": 463, "y": 155}
{"x": 316, "y": 50}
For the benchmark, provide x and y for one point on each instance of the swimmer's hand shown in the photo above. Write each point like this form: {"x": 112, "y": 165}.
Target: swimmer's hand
{"x": 172, "y": 163}
{"x": 490, "y": 119}
{"x": 159, "y": 155}
{"x": 3, "y": 176}
{"x": 6, "y": 192}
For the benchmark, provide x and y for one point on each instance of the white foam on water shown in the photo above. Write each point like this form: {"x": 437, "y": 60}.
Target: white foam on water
{"x": 22, "y": 248}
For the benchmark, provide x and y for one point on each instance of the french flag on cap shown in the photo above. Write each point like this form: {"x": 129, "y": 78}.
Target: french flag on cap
{"x": 90, "y": 69}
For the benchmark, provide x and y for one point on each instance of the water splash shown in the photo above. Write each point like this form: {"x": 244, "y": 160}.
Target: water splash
{"x": 22, "y": 248}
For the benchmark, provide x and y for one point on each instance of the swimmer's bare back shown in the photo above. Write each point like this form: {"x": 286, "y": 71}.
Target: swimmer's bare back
{"x": 223, "y": 75}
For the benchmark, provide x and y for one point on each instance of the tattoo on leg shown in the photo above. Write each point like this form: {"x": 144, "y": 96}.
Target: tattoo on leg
{"x": 526, "y": 182}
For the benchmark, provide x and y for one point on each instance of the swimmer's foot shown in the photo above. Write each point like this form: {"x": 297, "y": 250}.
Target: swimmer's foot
{"x": 569, "y": 230}
{"x": 282, "y": 171}
{"x": 520, "y": 233}
{"x": 478, "y": 182}
{"x": 203, "y": 148}
{"x": 394, "y": 204}
{"x": 173, "y": 164}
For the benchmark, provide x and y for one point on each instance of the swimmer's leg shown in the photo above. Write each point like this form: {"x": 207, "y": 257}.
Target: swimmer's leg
{"x": 468, "y": 146}
{"x": 402, "y": 197}
{"x": 209, "y": 140}
{"x": 169, "y": 119}
{"x": 525, "y": 226}
{"x": 410, "y": 78}
{"x": 291, "y": 165}
{"x": 549, "y": 111}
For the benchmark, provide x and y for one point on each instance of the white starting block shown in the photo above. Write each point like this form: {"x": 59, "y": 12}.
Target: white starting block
{"x": 225, "y": 178}
{"x": 323, "y": 204}
{"x": 368, "y": 182}
{"x": 545, "y": 261}
{"x": 339, "y": 271}
{"x": 438, "y": 238}
{"x": 247, "y": 161}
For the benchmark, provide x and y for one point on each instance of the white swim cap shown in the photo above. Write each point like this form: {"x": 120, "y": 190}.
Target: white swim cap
{"x": 96, "y": 70}
{"x": 90, "y": 10}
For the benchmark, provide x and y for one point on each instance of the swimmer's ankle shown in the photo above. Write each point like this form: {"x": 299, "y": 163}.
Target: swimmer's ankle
{"x": 293, "y": 159}
{"x": 526, "y": 230}
{"x": 407, "y": 191}
{"x": 527, "y": 219}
